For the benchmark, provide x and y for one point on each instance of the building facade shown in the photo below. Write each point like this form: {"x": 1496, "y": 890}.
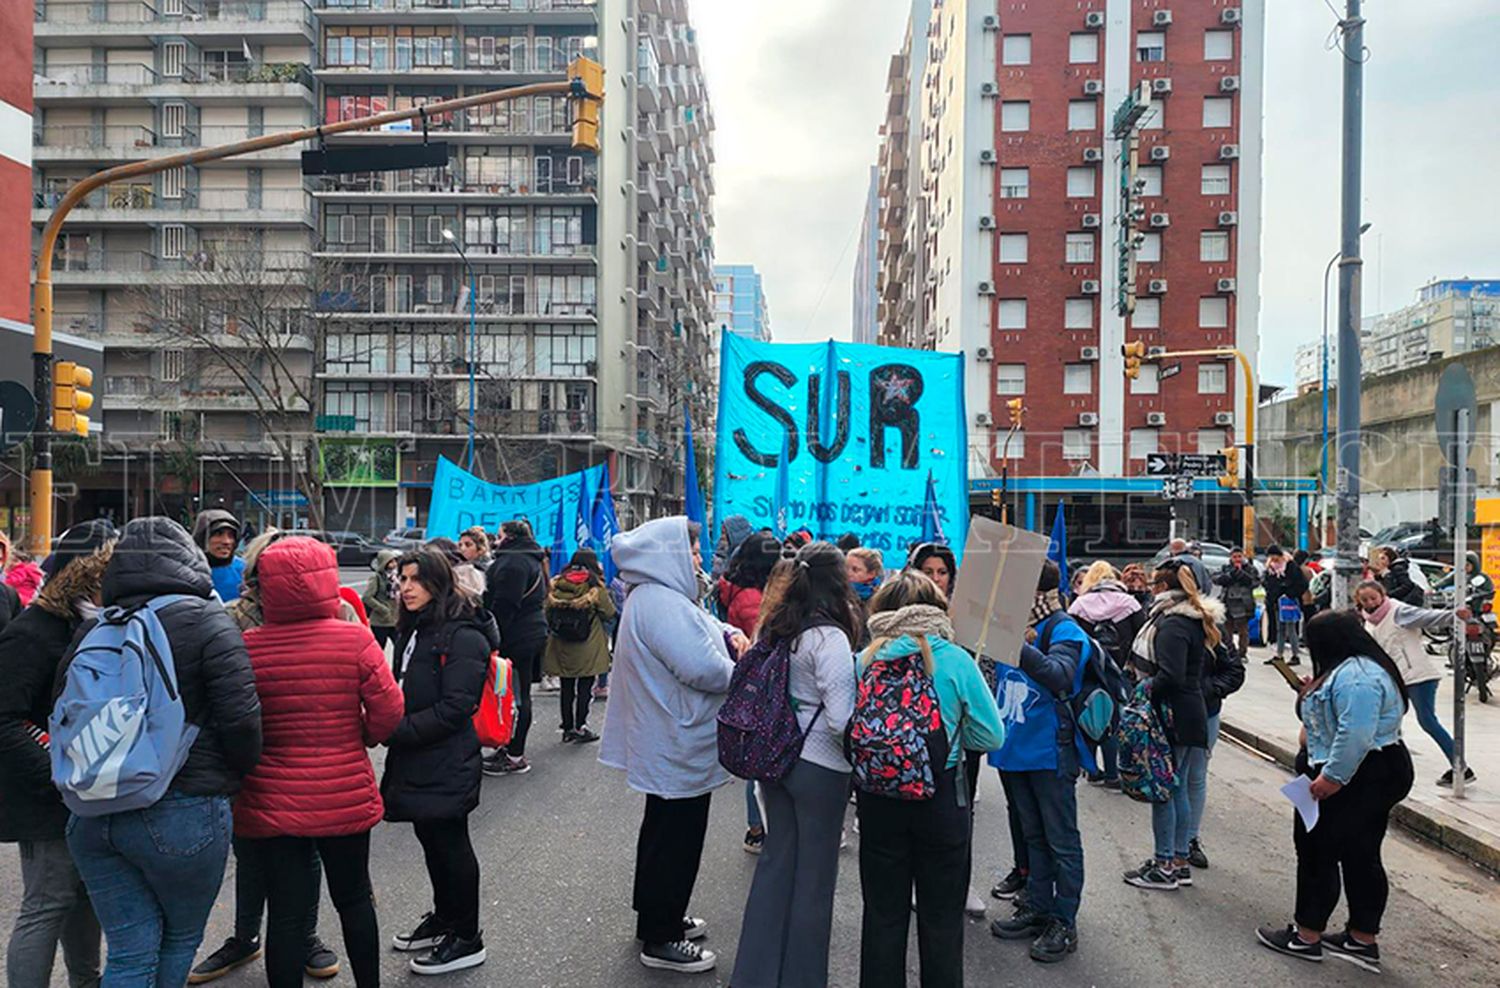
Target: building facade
{"x": 901, "y": 264}
{"x": 740, "y": 302}
{"x": 1450, "y": 317}
{"x": 15, "y": 157}
{"x": 865, "y": 296}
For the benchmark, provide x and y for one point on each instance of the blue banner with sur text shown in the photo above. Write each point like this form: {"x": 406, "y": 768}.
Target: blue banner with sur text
{"x": 860, "y": 428}
{"x": 461, "y": 500}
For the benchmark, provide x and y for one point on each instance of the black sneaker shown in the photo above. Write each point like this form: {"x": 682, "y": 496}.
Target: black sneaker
{"x": 1096, "y": 778}
{"x": 1285, "y": 940}
{"x": 1184, "y": 876}
{"x": 1446, "y": 779}
{"x": 455, "y": 953}
{"x": 501, "y": 764}
{"x": 1026, "y": 924}
{"x": 1153, "y": 875}
{"x": 569, "y": 736}
{"x": 235, "y": 953}
{"x": 754, "y": 842}
{"x": 583, "y": 736}
{"x": 1346, "y": 948}
{"x": 679, "y": 955}
{"x": 1112, "y": 785}
{"x": 1010, "y": 885}
{"x": 428, "y": 934}
{"x": 694, "y": 928}
{"x": 1056, "y": 942}
{"x": 321, "y": 962}
{"x": 1196, "y": 857}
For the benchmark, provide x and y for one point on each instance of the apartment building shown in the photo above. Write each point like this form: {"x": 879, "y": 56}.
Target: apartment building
{"x": 740, "y": 302}
{"x": 901, "y": 269}
{"x": 1449, "y": 317}
{"x": 865, "y": 295}
{"x": 15, "y": 159}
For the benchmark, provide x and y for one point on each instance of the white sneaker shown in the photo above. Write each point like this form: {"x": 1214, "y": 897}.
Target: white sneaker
{"x": 975, "y": 906}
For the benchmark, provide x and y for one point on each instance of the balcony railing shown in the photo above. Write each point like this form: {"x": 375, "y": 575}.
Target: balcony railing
{"x": 204, "y": 73}
{"x": 209, "y": 73}
{"x": 170, "y": 11}
{"x": 523, "y": 246}
{"x": 579, "y": 422}
{"x": 137, "y": 261}
{"x": 516, "y": 6}
{"x": 84, "y": 135}
{"x": 451, "y": 182}
{"x": 95, "y": 12}
{"x": 132, "y": 196}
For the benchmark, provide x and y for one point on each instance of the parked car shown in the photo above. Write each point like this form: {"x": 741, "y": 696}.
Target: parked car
{"x": 405, "y": 538}
{"x": 351, "y": 548}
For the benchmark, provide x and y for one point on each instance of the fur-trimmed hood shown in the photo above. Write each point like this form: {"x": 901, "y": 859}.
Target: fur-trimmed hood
{"x": 1180, "y": 605}
{"x": 566, "y": 593}
{"x": 80, "y": 578}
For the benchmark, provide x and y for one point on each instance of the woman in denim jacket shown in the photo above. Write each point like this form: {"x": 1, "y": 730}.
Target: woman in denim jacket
{"x": 1351, "y": 713}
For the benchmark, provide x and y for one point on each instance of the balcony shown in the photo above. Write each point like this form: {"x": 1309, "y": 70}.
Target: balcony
{"x": 564, "y": 424}
{"x": 140, "y": 392}
{"x": 129, "y": 83}
{"x": 582, "y": 13}
{"x": 537, "y": 247}
{"x": 63, "y": 143}
{"x": 128, "y": 203}
{"x": 128, "y": 268}
{"x": 76, "y": 22}
{"x": 451, "y": 63}
{"x": 449, "y": 187}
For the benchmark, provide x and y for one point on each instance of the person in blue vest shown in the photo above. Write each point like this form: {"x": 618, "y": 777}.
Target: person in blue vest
{"x": 1039, "y": 764}
{"x": 217, "y": 533}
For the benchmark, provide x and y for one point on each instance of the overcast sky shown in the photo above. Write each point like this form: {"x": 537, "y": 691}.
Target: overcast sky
{"x": 798, "y": 88}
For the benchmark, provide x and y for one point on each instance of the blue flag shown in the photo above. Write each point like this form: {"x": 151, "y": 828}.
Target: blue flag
{"x": 560, "y": 542}
{"x": 932, "y": 515}
{"x": 697, "y": 510}
{"x": 1057, "y": 551}
{"x": 604, "y": 526}
{"x": 782, "y": 504}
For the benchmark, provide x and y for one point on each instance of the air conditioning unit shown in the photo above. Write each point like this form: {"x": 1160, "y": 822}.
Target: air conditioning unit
{"x": 983, "y": 353}
{"x": 1155, "y": 351}
{"x": 1229, "y": 218}
{"x": 1088, "y": 418}
{"x": 1161, "y": 18}
{"x": 1093, "y": 87}
{"x": 1161, "y": 219}
{"x": 1156, "y": 418}
{"x": 1161, "y": 153}
{"x": 1088, "y": 353}
{"x": 1157, "y": 286}
{"x": 986, "y": 222}
{"x": 1091, "y": 287}
{"x": 1090, "y": 221}
{"x": 1229, "y": 84}
{"x": 986, "y": 288}
{"x": 1223, "y": 418}
{"x": 1094, "y": 18}
{"x": 1160, "y": 86}
{"x": 991, "y": 22}
{"x": 983, "y": 419}
{"x": 1226, "y": 285}
{"x": 1229, "y": 15}
{"x": 1093, "y": 154}
{"x": 988, "y": 89}
{"x": 1229, "y": 152}
{"x": 986, "y": 157}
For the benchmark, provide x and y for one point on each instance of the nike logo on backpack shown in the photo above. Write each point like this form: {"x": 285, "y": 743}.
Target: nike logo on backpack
{"x": 101, "y": 746}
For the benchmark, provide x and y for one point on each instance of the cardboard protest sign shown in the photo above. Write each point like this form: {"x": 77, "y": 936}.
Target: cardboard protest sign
{"x": 991, "y": 602}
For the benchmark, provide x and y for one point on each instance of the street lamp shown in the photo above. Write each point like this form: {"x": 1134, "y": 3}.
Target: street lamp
{"x": 458, "y": 246}
{"x": 1323, "y": 472}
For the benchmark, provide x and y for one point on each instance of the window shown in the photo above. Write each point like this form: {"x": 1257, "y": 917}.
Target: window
{"x": 1148, "y": 177}
{"x": 1218, "y": 111}
{"x": 1013, "y": 248}
{"x": 1150, "y": 46}
{"x": 172, "y": 181}
{"x": 1078, "y": 379}
{"x": 1083, "y": 114}
{"x": 1079, "y": 248}
{"x": 1212, "y": 440}
{"x": 173, "y": 54}
{"x": 1015, "y": 115}
{"x": 1218, "y": 46}
{"x": 1011, "y": 445}
{"x": 173, "y": 240}
{"x": 1015, "y": 183}
{"x": 1015, "y": 49}
{"x": 1078, "y": 313}
{"x": 1147, "y": 315}
{"x": 434, "y": 229}
{"x": 1213, "y": 245}
{"x": 1155, "y": 118}
{"x": 173, "y": 119}
{"x": 1149, "y": 383}
{"x": 1215, "y": 180}
{"x": 1077, "y": 444}
{"x": 1148, "y": 248}
{"x": 1213, "y": 379}
{"x": 1213, "y": 312}
{"x": 1144, "y": 442}
{"x": 1012, "y": 313}
{"x": 1081, "y": 182}
{"x": 171, "y": 365}
{"x": 1083, "y": 48}
{"x": 1010, "y": 379}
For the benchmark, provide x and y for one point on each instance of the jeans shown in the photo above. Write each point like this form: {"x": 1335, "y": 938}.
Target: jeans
{"x": 1047, "y": 803}
{"x": 1288, "y": 633}
{"x": 668, "y": 851}
{"x": 453, "y": 870}
{"x": 1424, "y": 702}
{"x": 575, "y": 697}
{"x": 1172, "y": 821}
{"x": 1237, "y": 630}
{"x": 753, "y": 818}
{"x": 1198, "y": 785}
{"x": 526, "y": 671}
{"x": 153, "y": 875}
{"x": 54, "y": 907}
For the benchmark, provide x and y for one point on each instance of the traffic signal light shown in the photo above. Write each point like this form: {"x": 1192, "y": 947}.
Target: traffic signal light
{"x": 69, "y": 399}
{"x": 1133, "y": 353}
{"x": 584, "y": 99}
{"x": 1230, "y": 478}
{"x": 1015, "y": 409}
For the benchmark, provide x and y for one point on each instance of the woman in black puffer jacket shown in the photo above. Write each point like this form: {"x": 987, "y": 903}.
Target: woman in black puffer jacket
{"x": 432, "y": 772}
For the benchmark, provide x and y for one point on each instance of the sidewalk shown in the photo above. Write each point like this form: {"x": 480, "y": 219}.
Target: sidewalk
{"x": 1262, "y": 716}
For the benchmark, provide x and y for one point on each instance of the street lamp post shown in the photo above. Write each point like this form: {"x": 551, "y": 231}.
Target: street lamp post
{"x": 452, "y": 238}
{"x": 1323, "y": 471}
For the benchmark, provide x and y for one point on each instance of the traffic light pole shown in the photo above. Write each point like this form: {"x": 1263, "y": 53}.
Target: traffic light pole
{"x": 583, "y": 84}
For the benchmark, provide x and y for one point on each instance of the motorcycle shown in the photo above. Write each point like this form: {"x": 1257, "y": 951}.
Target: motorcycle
{"x": 1477, "y": 648}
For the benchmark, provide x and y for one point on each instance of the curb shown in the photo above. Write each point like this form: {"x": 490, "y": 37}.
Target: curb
{"x": 1426, "y": 822}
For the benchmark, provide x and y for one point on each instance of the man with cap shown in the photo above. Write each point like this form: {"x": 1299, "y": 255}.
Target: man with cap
{"x": 54, "y": 904}
{"x": 217, "y": 533}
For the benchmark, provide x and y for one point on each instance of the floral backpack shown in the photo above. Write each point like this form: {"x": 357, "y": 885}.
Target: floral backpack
{"x": 896, "y": 733}
{"x": 1147, "y": 773}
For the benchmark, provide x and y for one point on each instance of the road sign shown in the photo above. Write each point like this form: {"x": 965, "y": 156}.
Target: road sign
{"x": 1455, "y": 391}
{"x": 1448, "y": 495}
{"x": 1160, "y": 464}
{"x": 1170, "y": 370}
{"x": 17, "y": 413}
{"x": 1177, "y": 488}
{"x": 374, "y": 158}
{"x": 1188, "y": 464}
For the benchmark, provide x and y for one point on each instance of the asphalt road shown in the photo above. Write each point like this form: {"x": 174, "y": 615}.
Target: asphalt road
{"x": 557, "y": 849}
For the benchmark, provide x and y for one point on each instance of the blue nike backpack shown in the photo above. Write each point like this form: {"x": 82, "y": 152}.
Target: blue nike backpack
{"x": 119, "y": 730}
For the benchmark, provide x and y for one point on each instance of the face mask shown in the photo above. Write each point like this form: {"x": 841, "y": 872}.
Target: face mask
{"x": 864, "y": 591}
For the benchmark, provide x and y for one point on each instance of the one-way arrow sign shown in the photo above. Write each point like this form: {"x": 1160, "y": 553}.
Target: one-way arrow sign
{"x": 1161, "y": 464}
{"x": 1188, "y": 464}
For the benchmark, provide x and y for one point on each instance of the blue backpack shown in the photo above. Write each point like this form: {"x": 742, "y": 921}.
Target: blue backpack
{"x": 1099, "y": 687}
{"x": 759, "y": 738}
{"x": 119, "y": 730}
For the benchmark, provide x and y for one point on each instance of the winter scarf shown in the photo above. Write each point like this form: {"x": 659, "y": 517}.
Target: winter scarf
{"x": 1044, "y": 605}
{"x": 864, "y": 591}
{"x": 915, "y": 620}
{"x": 1378, "y": 614}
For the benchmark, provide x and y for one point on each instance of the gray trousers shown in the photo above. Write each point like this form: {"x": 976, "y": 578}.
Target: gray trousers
{"x": 54, "y": 906}
{"x": 789, "y": 915}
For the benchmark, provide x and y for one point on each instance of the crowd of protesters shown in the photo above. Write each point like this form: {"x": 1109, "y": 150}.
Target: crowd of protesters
{"x": 288, "y": 678}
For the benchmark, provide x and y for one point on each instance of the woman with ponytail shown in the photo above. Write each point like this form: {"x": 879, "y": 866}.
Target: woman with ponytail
{"x": 1169, "y": 652}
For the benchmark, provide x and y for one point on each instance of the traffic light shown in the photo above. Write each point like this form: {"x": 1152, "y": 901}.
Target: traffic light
{"x": 1015, "y": 409}
{"x": 1230, "y": 478}
{"x": 69, "y": 399}
{"x": 584, "y": 99}
{"x": 1133, "y": 353}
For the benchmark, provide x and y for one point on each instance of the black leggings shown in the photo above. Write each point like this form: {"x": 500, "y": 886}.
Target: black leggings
{"x": 577, "y": 692}
{"x": 292, "y": 888}
{"x": 454, "y": 872}
{"x": 526, "y": 663}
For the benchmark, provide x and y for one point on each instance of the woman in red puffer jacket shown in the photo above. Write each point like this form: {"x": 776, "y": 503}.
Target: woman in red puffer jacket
{"x": 326, "y": 692}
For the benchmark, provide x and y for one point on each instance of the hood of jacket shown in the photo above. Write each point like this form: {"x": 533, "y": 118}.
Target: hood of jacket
{"x": 155, "y": 556}
{"x": 568, "y": 593}
{"x": 737, "y": 529}
{"x": 208, "y": 520}
{"x": 525, "y": 545}
{"x": 81, "y": 578}
{"x": 657, "y": 552}
{"x": 384, "y": 558}
{"x": 1109, "y": 601}
{"x": 297, "y": 580}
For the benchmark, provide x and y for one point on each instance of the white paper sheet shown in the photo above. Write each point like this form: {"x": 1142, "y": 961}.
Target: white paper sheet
{"x": 1299, "y": 792}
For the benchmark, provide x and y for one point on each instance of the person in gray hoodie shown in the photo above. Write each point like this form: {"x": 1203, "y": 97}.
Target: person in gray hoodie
{"x": 673, "y": 663}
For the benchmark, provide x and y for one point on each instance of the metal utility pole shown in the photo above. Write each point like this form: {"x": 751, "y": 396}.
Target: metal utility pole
{"x": 1346, "y": 566}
